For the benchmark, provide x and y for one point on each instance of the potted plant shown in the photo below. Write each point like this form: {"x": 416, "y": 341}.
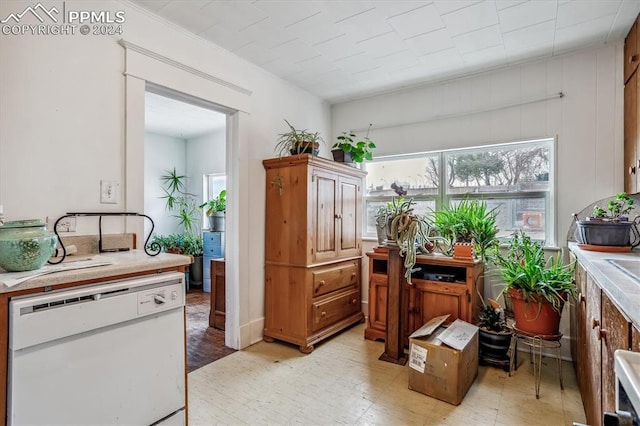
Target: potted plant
{"x": 180, "y": 202}
{"x": 183, "y": 207}
{"x": 298, "y": 142}
{"x": 348, "y": 150}
{"x": 469, "y": 226}
{"x": 406, "y": 229}
{"x": 537, "y": 287}
{"x": 215, "y": 211}
{"x": 494, "y": 334}
{"x": 610, "y": 226}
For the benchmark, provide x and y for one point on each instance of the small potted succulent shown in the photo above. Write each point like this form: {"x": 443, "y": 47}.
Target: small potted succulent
{"x": 610, "y": 226}
{"x": 349, "y": 150}
{"x": 296, "y": 142}
{"x": 494, "y": 334}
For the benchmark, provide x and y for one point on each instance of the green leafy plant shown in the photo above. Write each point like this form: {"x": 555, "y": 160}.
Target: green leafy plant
{"x": 179, "y": 243}
{"x": 410, "y": 231}
{"x": 180, "y": 202}
{"x": 524, "y": 267}
{"x": 359, "y": 150}
{"x": 469, "y": 221}
{"x": 297, "y": 142}
{"x": 491, "y": 317}
{"x": 218, "y": 204}
{"x": 617, "y": 207}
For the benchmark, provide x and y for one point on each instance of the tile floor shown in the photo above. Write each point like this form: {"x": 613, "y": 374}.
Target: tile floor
{"x": 343, "y": 382}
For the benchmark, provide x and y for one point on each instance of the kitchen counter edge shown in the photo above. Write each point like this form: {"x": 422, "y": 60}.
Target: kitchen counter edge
{"x": 622, "y": 289}
{"x": 123, "y": 263}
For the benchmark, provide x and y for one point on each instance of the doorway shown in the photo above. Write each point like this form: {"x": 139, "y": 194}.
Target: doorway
{"x": 188, "y": 139}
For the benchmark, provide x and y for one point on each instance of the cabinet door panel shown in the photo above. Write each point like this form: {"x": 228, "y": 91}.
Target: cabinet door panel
{"x": 324, "y": 215}
{"x": 631, "y": 135}
{"x": 348, "y": 213}
{"x": 438, "y": 299}
{"x": 616, "y": 328}
{"x": 592, "y": 399}
{"x": 631, "y": 51}
{"x": 579, "y": 349}
{"x": 635, "y": 339}
{"x": 378, "y": 295}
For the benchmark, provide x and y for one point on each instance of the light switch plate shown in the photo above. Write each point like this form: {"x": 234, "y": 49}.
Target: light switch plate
{"x": 108, "y": 192}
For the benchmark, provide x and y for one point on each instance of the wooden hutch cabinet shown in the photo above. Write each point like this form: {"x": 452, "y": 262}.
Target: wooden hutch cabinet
{"x": 443, "y": 285}
{"x": 313, "y": 249}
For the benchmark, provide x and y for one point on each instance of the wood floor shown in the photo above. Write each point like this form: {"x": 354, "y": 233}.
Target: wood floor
{"x": 204, "y": 344}
{"x": 343, "y": 382}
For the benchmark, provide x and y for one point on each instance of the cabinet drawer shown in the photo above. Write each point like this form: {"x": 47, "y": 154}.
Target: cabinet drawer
{"x": 333, "y": 309}
{"x": 212, "y": 239}
{"x": 213, "y": 252}
{"x": 330, "y": 279}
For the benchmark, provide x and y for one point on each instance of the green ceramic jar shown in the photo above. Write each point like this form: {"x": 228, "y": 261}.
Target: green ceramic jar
{"x": 25, "y": 245}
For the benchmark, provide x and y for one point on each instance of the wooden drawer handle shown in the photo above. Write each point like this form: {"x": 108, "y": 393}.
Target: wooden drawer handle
{"x": 354, "y": 301}
{"x": 633, "y": 58}
{"x": 632, "y": 170}
{"x": 594, "y": 323}
{"x": 602, "y": 334}
{"x": 353, "y": 275}
{"x": 323, "y": 314}
{"x": 321, "y": 283}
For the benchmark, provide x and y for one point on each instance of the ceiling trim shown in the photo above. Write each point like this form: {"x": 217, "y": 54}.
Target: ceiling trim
{"x": 157, "y": 56}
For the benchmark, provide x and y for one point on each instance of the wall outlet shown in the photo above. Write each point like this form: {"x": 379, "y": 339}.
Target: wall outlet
{"x": 68, "y": 224}
{"x": 108, "y": 192}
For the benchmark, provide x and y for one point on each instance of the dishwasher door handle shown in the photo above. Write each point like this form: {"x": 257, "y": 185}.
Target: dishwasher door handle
{"x": 159, "y": 299}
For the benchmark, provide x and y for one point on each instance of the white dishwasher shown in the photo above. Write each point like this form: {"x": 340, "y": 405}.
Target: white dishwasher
{"x": 106, "y": 354}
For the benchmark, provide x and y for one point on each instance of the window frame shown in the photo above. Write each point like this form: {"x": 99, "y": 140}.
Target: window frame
{"x": 443, "y": 197}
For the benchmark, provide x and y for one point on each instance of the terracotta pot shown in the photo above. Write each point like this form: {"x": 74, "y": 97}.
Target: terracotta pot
{"x": 536, "y": 316}
{"x": 463, "y": 251}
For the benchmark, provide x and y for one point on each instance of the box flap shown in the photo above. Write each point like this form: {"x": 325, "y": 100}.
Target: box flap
{"x": 430, "y": 326}
{"x": 458, "y": 334}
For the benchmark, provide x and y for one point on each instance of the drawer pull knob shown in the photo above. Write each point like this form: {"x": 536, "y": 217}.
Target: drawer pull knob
{"x": 602, "y": 334}
{"x": 633, "y": 58}
{"x": 353, "y": 275}
{"x": 323, "y": 314}
{"x": 353, "y": 301}
{"x": 632, "y": 170}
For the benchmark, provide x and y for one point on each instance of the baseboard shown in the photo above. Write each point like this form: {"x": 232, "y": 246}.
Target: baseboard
{"x": 251, "y": 333}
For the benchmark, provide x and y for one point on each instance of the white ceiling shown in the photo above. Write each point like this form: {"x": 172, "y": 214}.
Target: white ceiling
{"x": 341, "y": 50}
{"x": 170, "y": 117}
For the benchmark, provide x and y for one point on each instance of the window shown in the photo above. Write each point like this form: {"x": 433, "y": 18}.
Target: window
{"x": 516, "y": 178}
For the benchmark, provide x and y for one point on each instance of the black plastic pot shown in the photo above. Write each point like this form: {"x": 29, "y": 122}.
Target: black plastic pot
{"x": 195, "y": 272}
{"x": 494, "y": 347}
{"x": 340, "y": 156}
{"x": 606, "y": 233}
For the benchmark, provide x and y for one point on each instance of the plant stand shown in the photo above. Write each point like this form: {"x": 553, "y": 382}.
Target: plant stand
{"x": 536, "y": 344}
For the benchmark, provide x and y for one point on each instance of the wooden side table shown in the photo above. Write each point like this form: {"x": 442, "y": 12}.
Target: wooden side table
{"x": 217, "y": 313}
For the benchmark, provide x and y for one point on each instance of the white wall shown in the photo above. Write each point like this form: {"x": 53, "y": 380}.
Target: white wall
{"x": 62, "y": 125}
{"x": 588, "y": 123}
{"x": 206, "y": 154}
{"x": 162, "y": 154}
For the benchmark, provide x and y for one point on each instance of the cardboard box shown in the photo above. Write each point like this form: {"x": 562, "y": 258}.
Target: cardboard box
{"x": 443, "y": 360}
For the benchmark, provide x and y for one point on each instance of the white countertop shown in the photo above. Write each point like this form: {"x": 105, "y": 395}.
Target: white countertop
{"x": 622, "y": 289}
{"x": 121, "y": 263}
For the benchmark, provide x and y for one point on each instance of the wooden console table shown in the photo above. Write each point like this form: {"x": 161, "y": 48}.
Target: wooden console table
{"x": 443, "y": 285}
{"x": 218, "y": 308}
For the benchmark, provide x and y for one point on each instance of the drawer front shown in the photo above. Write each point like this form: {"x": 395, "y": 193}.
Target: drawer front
{"x": 333, "y": 278}
{"x": 213, "y": 252}
{"x": 212, "y": 239}
{"x": 333, "y": 309}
